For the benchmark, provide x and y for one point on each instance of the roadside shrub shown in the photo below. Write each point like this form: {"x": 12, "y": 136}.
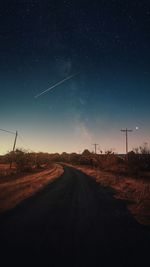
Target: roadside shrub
{"x": 139, "y": 159}
{"x": 22, "y": 160}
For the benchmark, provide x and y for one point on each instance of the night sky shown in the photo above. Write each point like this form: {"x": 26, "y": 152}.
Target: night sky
{"x": 106, "y": 43}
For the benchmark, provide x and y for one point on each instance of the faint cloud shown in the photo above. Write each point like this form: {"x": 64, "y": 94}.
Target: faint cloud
{"x": 83, "y": 132}
{"x": 50, "y": 108}
{"x": 82, "y": 102}
{"x": 64, "y": 67}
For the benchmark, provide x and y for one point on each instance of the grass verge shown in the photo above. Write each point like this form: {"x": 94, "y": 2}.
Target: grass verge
{"x": 13, "y": 191}
{"x": 135, "y": 191}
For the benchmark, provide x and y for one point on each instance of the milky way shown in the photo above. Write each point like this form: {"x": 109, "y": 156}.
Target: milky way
{"x": 107, "y": 42}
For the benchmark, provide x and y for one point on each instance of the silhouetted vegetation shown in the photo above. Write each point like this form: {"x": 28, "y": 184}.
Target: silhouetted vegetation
{"x": 135, "y": 162}
{"x": 139, "y": 159}
{"x": 21, "y": 161}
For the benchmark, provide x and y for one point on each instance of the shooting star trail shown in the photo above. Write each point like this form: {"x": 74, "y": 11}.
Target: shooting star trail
{"x": 55, "y": 85}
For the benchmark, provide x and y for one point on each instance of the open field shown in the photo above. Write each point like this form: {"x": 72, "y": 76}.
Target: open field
{"x": 135, "y": 191}
{"x": 14, "y": 190}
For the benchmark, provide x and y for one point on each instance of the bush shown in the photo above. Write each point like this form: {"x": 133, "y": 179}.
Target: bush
{"x": 22, "y": 160}
{"x": 139, "y": 159}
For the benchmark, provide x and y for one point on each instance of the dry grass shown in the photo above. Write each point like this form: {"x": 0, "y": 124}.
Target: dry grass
{"x": 135, "y": 191}
{"x": 5, "y": 170}
{"x": 13, "y": 191}
{"x": 4, "y": 166}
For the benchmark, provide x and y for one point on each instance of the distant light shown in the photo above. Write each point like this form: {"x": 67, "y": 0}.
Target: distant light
{"x": 137, "y": 128}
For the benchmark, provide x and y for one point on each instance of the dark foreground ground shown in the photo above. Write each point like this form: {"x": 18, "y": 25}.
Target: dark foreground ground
{"x": 73, "y": 222}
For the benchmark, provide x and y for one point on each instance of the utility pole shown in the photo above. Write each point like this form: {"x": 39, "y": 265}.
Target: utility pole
{"x": 16, "y": 135}
{"x": 126, "y": 131}
{"x": 95, "y": 148}
{"x": 15, "y": 140}
{"x": 14, "y": 145}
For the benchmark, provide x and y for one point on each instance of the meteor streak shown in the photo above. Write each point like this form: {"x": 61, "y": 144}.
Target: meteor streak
{"x": 55, "y": 85}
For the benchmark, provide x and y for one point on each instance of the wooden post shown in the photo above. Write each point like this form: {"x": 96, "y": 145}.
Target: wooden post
{"x": 14, "y": 145}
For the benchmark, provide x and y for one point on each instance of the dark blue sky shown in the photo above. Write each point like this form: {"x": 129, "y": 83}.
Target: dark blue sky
{"x": 106, "y": 42}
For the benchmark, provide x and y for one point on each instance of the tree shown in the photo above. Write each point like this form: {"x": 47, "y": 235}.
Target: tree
{"x": 86, "y": 153}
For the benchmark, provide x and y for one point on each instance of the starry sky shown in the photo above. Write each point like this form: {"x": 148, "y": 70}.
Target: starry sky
{"x": 105, "y": 43}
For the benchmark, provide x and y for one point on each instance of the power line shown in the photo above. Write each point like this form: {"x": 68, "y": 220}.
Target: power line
{"x": 23, "y": 142}
{"x": 14, "y": 133}
{"x": 7, "y": 131}
{"x": 126, "y": 131}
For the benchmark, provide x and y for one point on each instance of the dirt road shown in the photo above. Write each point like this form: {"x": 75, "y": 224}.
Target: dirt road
{"x": 73, "y": 222}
